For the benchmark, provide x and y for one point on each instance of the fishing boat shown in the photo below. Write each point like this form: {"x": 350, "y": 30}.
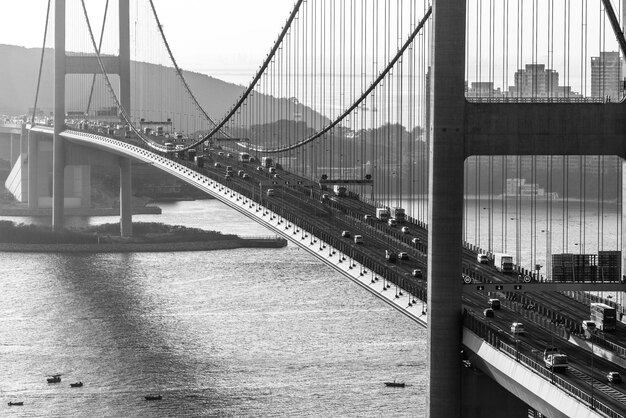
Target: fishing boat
{"x": 153, "y": 397}
{"x": 16, "y": 403}
{"x": 54, "y": 378}
{"x": 76, "y": 385}
{"x": 395, "y": 384}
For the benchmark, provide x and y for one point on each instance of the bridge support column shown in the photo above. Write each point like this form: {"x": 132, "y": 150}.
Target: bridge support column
{"x": 16, "y": 148}
{"x": 58, "y": 152}
{"x": 126, "y": 213}
{"x": 447, "y": 155}
{"x": 33, "y": 170}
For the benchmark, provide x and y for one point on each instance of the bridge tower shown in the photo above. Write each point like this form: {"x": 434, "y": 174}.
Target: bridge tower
{"x": 445, "y": 212}
{"x": 64, "y": 65}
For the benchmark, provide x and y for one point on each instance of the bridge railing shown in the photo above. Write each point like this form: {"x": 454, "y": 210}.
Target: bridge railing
{"x": 501, "y": 341}
{"x": 249, "y": 193}
{"x": 475, "y": 99}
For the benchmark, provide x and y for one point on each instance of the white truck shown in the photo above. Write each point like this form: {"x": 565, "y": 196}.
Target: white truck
{"x": 554, "y": 360}
{"x": 382, "y": 214}
{"x": 339, "y": 190}
{"x": 398, "y": 214}
{"x": 267, "y": 162}
{"x": 503, "y": 262}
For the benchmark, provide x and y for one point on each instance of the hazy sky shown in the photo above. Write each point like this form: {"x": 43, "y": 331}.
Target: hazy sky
{"x": 208, "y": 36}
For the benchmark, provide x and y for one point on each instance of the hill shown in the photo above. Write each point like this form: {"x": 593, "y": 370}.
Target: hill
{"x": 18, "y": 83}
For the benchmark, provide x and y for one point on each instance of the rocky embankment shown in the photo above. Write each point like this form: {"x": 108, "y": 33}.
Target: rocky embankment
{"x": 134, "y": 247}
{"x": 147, "y": 237}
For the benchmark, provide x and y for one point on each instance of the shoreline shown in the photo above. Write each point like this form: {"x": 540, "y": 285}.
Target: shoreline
{"x": 135, "y": 247}
{"x": 41, "y": 212}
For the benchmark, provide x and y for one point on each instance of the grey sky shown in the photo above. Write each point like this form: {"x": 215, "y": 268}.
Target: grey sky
{"x": 208, "y": 36}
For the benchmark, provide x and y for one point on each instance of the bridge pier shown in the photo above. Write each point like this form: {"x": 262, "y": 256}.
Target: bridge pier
{"x": 58, "y": 143}
{"x": 33, "y": 170}
{"x": 126, "y": 209}
{"x": 16, "y": 147}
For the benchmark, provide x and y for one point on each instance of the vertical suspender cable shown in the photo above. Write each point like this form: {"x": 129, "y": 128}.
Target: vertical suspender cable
{"x": 43, "y": 51}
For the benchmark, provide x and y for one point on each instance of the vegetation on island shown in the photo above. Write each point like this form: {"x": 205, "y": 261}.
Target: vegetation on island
{"x": 143, "y": 232}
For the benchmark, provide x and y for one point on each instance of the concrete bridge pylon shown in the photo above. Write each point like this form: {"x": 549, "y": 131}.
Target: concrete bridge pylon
{"x": 64, "y": 65}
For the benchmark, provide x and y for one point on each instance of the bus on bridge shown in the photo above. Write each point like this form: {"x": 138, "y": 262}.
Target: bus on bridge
{"x": 604, "y": 316}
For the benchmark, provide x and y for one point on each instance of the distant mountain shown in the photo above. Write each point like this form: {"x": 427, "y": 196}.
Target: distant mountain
{"x": 19, "y": 69}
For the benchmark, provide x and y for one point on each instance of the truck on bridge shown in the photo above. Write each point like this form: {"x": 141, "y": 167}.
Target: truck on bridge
{"x": 382, "y": 214}
{"x": 398, "y": 214}
{"x": 339, "y": 191}
{"x": 554, "y": 360}
{"x": 267, "y": 162}
{"x": 503, "y": 262}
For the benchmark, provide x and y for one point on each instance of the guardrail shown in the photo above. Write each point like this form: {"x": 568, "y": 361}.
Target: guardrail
{"x": 495, "y": 337}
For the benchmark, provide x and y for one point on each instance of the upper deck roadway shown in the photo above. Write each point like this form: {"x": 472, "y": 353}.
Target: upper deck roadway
{"x": 301, "y": 202}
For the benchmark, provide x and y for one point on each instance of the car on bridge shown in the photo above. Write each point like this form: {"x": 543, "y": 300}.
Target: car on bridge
{"x": 405, "y": 230}
{"x": 403, "y": 256}
{"x": 259, "y": 168}
{"x": 417, "y": 273}
{"x": 494, "y": 303}
{"x": 392, "y": 222}
{"x": 488, "y": 313}
{"x": 358, "y": 239}
{"x": 390, "y": 256}
{"x": 218, "y": 165}
{"x": 614, "y": 377}
{"x": 482, "y": 258}
{"x": 518, "y": 328}
{"x": 368, "y": 218}
{"x": 270, "y": 192}
{"x": 345, "y": 234}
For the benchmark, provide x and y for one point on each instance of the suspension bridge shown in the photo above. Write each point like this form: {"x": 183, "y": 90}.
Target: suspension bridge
{"x": 434, "y": 131}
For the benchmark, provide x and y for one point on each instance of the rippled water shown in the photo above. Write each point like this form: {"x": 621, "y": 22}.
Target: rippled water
{"x": 249, "y": 332}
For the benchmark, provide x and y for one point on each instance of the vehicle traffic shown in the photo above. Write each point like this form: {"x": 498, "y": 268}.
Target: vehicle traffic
{"x": 554, "y": 360}
{"x": 382, "y": 214}
{"x": 614, "y": 377}
{"x": 503, "y": 262}
{"x": 494, "y": 303}
{"x": 604, "y": 316}
{"x": 267, "y": 162}
{"x": 518, "y": 328}
{"x": 398, "y": 214}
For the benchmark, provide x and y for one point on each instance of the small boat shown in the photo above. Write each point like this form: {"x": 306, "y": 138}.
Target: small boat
{"x": 54, "y": 378}
{"x": 153, "y": 397}
{"x": 16, "y": 403}
{"x": 76, "y": 385}
{"x": 395, "y": 384}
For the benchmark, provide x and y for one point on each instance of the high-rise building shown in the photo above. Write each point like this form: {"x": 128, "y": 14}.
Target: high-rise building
{"x": 482, "y": 89}
{"x": 535, "y": 81}
{"x": 606, "y": 76}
